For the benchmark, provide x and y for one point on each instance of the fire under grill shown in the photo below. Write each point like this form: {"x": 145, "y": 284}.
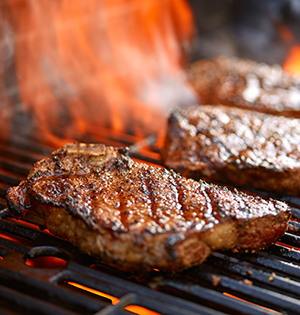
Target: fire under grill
{"x": 42, "y": 274}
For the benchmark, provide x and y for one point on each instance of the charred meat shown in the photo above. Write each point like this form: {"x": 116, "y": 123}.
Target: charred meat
{"x": 246, "y": 84}
{"x": 235, "y": 146}
{"x": 138, "y": 216}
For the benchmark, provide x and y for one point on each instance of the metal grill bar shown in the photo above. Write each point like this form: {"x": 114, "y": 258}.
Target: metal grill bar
{"x": 15, "y": 301}
{"x": 217, "y": 299}
{"x": 245, "y": 270}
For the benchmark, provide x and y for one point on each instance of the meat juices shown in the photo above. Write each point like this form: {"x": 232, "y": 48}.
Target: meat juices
{"x": 138, "y": 216}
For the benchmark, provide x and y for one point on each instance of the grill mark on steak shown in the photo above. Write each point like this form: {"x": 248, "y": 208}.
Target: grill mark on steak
{"x": 138, "y": 216}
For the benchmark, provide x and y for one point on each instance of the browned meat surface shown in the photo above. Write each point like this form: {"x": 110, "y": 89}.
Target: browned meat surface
{"x": 138, "y": 216}
{"x": 246, "y": 84}
{"x": 237, "y": 146}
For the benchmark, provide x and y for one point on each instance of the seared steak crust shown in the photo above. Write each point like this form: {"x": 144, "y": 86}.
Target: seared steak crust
{"x": 235, "y": 146}
{"x": 246, "y": 84}
{"x": 139, "y": 216}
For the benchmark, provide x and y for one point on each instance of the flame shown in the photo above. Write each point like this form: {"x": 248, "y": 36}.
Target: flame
{"x": 292, "y": 62}
{"x": 84, "y": 65}
{"x": 136, "y": 309}
{"x": 284, "y": 32}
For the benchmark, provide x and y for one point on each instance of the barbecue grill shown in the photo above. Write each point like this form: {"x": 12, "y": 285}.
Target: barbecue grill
{"x": 42, "y": 274}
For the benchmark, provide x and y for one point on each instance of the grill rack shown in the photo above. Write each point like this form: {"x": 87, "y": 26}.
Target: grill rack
{"x": 262, "y": 283}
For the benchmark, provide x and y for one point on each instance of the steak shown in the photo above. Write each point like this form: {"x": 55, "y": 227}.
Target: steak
{"x": 246, "y": 84}
{"x": 235, "y": 146}
{"x": 137, "y": 216}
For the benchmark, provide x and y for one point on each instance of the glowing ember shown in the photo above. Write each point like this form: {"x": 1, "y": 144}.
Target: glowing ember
{"x": 113, "y": 64}
{"x": 136, "y": 309}
{"x": 289, "y": 247}
{"x": 8, "y": 237}
{"x": 14, "y": 238}
{"x": 113, "y": 299}
{"x": 27, "y": 224}
{"x": 140, "y": 310}
{"x": 237, "y": 298}
{"x": 45, "y": 262}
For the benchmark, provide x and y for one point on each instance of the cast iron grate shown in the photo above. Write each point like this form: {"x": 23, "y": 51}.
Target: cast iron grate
{"x": 262, "y": 283}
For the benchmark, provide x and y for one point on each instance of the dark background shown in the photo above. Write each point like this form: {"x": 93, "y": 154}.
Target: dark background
{"x": 245, "y": 28}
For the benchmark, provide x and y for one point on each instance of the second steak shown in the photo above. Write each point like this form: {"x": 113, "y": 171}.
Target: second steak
{"x": 246, "y": 84}
{"x": 235, "y": 146}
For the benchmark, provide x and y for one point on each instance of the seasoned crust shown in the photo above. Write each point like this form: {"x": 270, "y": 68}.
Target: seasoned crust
{"x": 235, "y": 146}
{"x": 138, "y": 216}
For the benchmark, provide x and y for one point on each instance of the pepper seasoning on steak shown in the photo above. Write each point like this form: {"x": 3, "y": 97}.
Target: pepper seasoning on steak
{"x": 235, "y": 146}
{"x": 138, "y": 216}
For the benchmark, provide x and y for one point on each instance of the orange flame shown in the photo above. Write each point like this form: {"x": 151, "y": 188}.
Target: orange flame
{"x": 84, "y": 65}
{"x": 292, "y": 62}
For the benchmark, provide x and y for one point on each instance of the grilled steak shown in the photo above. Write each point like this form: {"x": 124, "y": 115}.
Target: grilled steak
{"x": 231, "y": 145}
{"x": 138, "y": 216}
{"x": 246, "y": 84}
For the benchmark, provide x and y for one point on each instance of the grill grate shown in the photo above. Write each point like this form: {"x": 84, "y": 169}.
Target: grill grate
{"x": 262, "y": 283}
